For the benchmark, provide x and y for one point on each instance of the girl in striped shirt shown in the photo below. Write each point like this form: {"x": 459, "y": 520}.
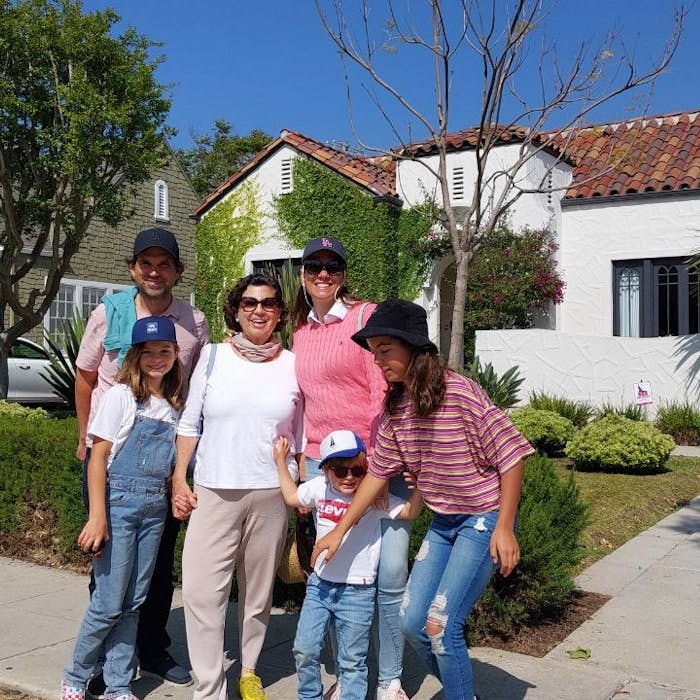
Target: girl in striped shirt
{"x": 467, "y": 459}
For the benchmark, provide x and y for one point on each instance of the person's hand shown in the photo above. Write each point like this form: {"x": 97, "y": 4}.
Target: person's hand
{"x": 328, "y": 543}
{"x": 505, "y": 547}
{"x": 93, "y": 536}
{"x": 81, "y": 450}
{"x": 411, "y": 480}
{"x": 183, "y": 500}
{"x": 280, "y": 449}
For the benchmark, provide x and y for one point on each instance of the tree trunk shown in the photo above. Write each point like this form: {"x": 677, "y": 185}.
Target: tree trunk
{"x": 4, "y": 375}
{"x": 455, "y": 359}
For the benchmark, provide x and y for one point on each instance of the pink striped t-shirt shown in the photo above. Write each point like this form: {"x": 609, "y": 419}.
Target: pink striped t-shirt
{"x": 458, "y": 453}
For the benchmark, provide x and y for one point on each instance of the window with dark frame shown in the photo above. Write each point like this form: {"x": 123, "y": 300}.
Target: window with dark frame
{"x": 655, "y": 297}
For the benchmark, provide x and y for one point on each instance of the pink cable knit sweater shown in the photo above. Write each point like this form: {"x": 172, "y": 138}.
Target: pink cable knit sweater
{"x": 343, "y": 388}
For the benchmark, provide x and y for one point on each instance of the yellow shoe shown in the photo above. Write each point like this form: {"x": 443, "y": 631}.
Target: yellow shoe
{"x": 250, "y": 687}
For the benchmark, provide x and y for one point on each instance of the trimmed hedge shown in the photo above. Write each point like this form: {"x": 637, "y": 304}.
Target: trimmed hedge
{"x": 618, "y": 443}
{"x": 547, "y": 431}
{"x": 38, "y": 467}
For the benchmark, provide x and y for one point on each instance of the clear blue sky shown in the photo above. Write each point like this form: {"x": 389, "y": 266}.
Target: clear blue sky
{"x": 268, "y": 64}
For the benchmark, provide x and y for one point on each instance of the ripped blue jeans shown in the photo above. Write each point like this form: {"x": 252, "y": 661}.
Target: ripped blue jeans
{"x": 450, "y": 572}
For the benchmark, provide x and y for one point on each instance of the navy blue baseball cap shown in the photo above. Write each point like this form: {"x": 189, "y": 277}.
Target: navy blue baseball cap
{"x": 316, "y": 245}
{"x": 157, "y": 238}
{"x": 153, "y": 328}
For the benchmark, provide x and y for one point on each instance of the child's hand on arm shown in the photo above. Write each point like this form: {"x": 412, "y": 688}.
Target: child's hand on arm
{"x": 182, "y": 498}
{"x": 413, "y": 507}
{"x": 280, "y": 451}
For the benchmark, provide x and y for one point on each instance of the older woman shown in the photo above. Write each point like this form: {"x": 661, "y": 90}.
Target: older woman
{"x": 248, "y": 396}
{"x": 343, "y": 388}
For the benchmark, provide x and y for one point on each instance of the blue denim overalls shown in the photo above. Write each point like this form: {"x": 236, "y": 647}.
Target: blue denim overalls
{"x": 137, "y": 503}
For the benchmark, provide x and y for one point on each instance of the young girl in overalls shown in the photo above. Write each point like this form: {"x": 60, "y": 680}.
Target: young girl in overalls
{"x": 132, "y": 458}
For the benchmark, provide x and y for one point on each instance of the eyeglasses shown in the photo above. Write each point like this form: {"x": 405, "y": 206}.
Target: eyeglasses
{"x": 251, "y": 304}
{"x": 332, "y": 267}
{"x": 342, "y": 472}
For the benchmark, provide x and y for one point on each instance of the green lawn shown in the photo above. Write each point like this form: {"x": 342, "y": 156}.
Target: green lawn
{"x": 623, "y": 505}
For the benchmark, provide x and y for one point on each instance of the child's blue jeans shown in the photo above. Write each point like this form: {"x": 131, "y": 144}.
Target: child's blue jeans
{"x": 450, "y": 572}
{"x": 351, "y": 607}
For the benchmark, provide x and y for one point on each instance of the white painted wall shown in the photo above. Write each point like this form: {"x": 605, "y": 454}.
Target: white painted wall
{"x": 267, "y": 178}
{"x": 595, "y": 369}
{"x": 415, "y": 183}
{"x": 595, "y": 234}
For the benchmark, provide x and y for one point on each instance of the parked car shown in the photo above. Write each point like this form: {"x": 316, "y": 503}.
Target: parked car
{"x": 26, "y": 364}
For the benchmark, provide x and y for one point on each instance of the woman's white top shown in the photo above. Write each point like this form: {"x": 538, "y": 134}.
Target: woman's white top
{"x": 246, "y": 406}
{"x": 116, "y": 413}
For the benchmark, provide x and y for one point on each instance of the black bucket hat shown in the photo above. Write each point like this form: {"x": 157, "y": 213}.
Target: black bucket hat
{"x": 398, "y": 318}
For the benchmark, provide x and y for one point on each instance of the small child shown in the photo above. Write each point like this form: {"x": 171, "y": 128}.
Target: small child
{"x": 342, "y": 590}
{"x": 132, "y": 458}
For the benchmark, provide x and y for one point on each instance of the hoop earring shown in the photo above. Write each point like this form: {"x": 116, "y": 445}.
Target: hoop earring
{"x": 340, "y": 286}
{"x": 307, "y": 299}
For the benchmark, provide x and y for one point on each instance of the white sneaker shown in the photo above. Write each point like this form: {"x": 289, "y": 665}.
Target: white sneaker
{"x": 391, "y": 694}
{"x": 333, "y": 693}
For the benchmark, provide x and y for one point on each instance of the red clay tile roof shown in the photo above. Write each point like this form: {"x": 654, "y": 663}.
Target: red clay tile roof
{"x": 374, "y": 174}
{"x": 467, "y": 139}
{"x": 653, "y": 154}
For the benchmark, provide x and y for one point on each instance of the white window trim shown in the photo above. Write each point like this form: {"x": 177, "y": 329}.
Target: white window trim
{"x": 158, "y": 213}
{"x": 78, "y": 285}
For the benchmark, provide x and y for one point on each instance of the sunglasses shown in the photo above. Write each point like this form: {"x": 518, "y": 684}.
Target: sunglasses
{"x": 251, "y": 303}
{"x": 342, "y": 472}
{"x": 332, "y": 267}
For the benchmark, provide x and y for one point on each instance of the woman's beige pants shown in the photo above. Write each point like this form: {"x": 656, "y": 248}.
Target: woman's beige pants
{"x": 229, "y": 528}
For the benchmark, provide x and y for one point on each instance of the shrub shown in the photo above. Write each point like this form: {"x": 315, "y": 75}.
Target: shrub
{"x": 38, "y": 468}
{"x": 16, "y": 410}
{"x": 578, "y": 412}
{"x": 618, "y": 443}
{"x": 629, "y": 410}
{"x": 552, "y": 518}
{"x": 547, "y": 431}
{"x": 503, "y": 390}
{"x": 680, "y": 420}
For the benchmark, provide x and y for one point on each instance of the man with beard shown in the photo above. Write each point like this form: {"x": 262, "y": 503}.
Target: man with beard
{"x": 155, "y": 269}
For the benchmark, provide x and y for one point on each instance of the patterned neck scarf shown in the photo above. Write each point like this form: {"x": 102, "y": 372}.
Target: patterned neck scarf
{"x": 251, "y": 351}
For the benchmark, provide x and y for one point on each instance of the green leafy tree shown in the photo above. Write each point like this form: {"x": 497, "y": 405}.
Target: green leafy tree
{"x": 81, "y": 124}
{"x": 215, "y": 157}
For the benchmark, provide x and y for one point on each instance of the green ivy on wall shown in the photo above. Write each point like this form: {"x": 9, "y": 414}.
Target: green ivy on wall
{"x": 383, "y": 242}
{"x": 223, "y": 237}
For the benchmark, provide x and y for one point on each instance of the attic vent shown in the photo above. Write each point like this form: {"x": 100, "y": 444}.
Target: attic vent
{"x": 161, "y": 202}
{"x": 286, "y": 175}
{"x": 458, "y": 183}
{"x": 549, "y": 188}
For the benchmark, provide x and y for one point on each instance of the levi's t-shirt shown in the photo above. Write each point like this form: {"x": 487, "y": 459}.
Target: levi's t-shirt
{"x": 357, "y": 558}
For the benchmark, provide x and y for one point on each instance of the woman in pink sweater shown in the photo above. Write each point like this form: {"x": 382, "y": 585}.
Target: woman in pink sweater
{"x": 342, "y": 387}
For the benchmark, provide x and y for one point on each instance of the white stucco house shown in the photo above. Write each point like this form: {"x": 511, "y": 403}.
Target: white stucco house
{"x": 624, "y": 204}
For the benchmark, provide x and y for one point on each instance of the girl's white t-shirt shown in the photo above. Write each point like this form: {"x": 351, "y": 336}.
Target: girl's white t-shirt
{"x": 116, "y": 414}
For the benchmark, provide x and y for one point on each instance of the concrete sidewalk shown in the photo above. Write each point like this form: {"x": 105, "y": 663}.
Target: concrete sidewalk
{"x": 644, "y": 642}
